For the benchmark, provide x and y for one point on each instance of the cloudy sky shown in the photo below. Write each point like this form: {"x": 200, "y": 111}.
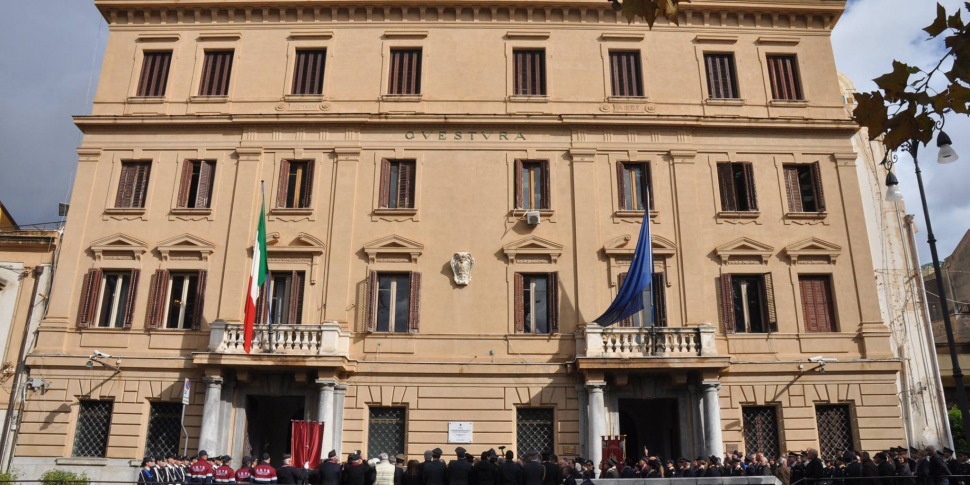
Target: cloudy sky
{"x": 53, "y": 50}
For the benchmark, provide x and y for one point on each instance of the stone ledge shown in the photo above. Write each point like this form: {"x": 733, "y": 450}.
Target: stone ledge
{"x": 81, "y": 461}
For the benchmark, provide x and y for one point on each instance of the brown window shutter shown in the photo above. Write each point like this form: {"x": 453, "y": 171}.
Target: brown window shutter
{"x": 261, "y": 303}
{"x": 140, "y": 187}
{"x": 808, "y": 304}
{"x": 372, "y": 301}
{"x": 216, "y": 69}
{"x": 793, "y": 189}
{"x": 773, "y": 77}
{"x": 628, "y": 321}
{"x": 90, "y": 291}
{"x": 307, "y": 189}
{"x": 518, "y": 184}
{"x": 553, "y": 314}
{"x": 156, "y": 299}
{"x": 199, "y": 299}
{"x": 405, "y": 72}
{"x": 125, "y": 185}
{"x": 132, "y": 297}
{"x": 712, "y": 78}
{"x": 625, "y": 74}
{"x": 519, "y": 295}
{"x": 385, "y": 195}
{"x": 529, "y": 72}
{"x": 749, "y": 181}
{"x": 414, "y": 307}
{"x": 726, "y": 291}
{"x": 725, "y": 179}
{"x": 394, "y": 73}
{"x": 154, "y": 74}
{"x": 816, "y": 292}
{"x": 284, "y": 186}
{"x": 546, "y": 185}
{"x": 826, "y": 310}
{"x": 295, "y": 310}
{"x": 308, "y": 75}
{"x": 185, "y": 185}
{"x": 405, "y": 181}
{"x": 768, "y": 289}
{"x": 204, "y": 193}
{"x": 659, "y": 299}
{"x": 621, "y": 185}
{"x": 783, "y": 75}
{"x": 817, "y": 184}
{"x": 648, "y": 184}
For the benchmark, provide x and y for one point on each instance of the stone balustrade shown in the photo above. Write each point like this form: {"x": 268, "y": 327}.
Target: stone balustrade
{"x": 326, "y": 339}
{"x": 627, "y": 342}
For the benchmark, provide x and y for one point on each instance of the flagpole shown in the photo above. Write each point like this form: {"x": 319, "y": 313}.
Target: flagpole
{"x": 269, "y": 299}
{"x": 647, "y": 295}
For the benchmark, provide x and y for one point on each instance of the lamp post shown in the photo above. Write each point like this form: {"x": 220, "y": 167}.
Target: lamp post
{"x": 947, "y": 155}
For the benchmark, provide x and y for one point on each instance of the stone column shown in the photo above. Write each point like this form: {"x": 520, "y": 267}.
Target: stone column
{"x": 211, "y": 414}
{"x": 597, "y": 422}
{"x": 712, "y": 418}
{"x": 583, "y": 420}
{"x": 325, "y": 413}
{"x": 340, "y": 390}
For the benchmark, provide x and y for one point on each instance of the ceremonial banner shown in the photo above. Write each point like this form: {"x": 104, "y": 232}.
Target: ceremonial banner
{"x": 306, "y": 442}
{"x": 614, "y": 447}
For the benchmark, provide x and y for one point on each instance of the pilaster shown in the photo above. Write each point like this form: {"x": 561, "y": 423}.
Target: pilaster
{"x": 243, "y": 217}
{"x": 339, "y": 288}
{"x": 584, "y": 231}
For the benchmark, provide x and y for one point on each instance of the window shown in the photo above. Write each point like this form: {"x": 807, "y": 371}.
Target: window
{"x": 397, "y": 184}
{"x": 405, "y": 72}
{"x": 834, "y": 428}
{"x": 281, "y": 299}
{"x": 532, "y": 184}
{"x": 817, "y": 308}
{"x": 529, "y": 72}
{"x": 395, "y": 302}
{"x": 216, "y": 69}
{"x": 133, "y": 186}
{"x": 804, "y": 186}
{"x": 195, "y": 190}
{"x": 658, "y": 291}
{"x": 164, "y": 429}
{"x": 534, "y": 430}
{"x": 385, "y": 431}
{"x": 175, "y": 299}
{"x": 296, "y": 184}
{"x": 93, "y": 423}
{"x": 783, "y": 75}
{"x": 308, "y": 73}
{"x": 154, "y": 74}
{"x": 747, "y": 303}
{"x": 536, "y": 303}
{"x": 721, "y": 78}
{"x": 760, "y": 430}
{"x": 736, "y": 181}
{"x": 626, "y": 75}
{"x": 107, "y": 298}
{"x": 633, "y": 180}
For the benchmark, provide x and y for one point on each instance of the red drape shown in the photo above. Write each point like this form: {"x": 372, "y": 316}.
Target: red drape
{"x": 614, "y": 447}
{"x": 307, "y": 437}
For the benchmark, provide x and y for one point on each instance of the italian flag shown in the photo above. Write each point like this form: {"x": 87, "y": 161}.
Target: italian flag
{"x": 257, "y": 276}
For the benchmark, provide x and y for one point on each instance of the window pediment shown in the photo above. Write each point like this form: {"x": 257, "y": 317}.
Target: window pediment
{"x": 532, "y": 250}
{"x": 623, "y": 247}
{"x": 118, "y": 246}
{"x": 744, "y": 251}
{"x": 185, "y": 246}
{"x": 302, "y": 243}
{"x": 393, "y": 249}
{"x": 813, "y": 250}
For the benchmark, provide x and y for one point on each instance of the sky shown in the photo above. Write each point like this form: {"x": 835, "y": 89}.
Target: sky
{"x": 53, "y": 50}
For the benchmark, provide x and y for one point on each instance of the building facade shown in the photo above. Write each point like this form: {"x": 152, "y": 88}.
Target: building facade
{"x": 955, "y": 269}
{"x": 517, "y": 147}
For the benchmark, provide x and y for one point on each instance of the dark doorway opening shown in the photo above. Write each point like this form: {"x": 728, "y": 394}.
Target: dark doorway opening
{"x": 651, "y": 423}
{"x": 268, "y": 428}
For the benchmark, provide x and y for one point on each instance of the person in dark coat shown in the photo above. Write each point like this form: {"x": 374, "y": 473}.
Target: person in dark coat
{"x": 938, "y": 471}
{"x": 533, "y": 473}
{"x": 399, "y": 469}
{"x": 574, "y": 477}
{"x": 554, "y": 471}
{"x": 433, "y": 472}
{"x": 145, "y": 474}
{"x": 412, "y": 474}
{"x": 356, "y": 472}
{"x": 713, "y": 469}
{"x": 853, "y": 468}
{"x": 510, "y": 473}
{"x": 814, "y": 468}
{"x": 330, "y": 472}
{"x": 904, "y": 474}
{"x": 289, "y": 474}
{"x": 684, "y": 469}
{"x": 797, "y": 467}
{"x": 885, "y": 469}
{"x": 458, "y": 469}
{"x": 485, "y": 472}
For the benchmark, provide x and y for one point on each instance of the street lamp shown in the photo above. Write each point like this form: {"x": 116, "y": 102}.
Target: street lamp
{"x": 947, "y": 155}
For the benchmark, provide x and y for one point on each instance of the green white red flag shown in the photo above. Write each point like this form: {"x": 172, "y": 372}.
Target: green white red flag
{"x": 257, "y": 276}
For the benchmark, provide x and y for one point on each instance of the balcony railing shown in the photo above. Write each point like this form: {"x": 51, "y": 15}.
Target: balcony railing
{"x": 327, "y": 339}
{"x": 627, "y": 342}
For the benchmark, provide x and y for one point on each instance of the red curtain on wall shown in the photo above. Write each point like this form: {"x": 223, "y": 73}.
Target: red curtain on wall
{"x": 307, "y": 438}
{"x": 614, "y": 447}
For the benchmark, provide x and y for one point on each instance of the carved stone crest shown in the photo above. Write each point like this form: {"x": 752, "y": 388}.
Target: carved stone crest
{"x": 462, "y": 264}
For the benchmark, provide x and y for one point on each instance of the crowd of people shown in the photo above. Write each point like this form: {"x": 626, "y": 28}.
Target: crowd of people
{"x": 896, "y": 466}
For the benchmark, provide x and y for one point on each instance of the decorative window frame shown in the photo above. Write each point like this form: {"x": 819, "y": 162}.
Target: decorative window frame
{"x": 404, "y": 39}
{"x": 284, "y": 214}
{"x": 532, "y": 40}
{"x": 185, "y": 251}
{"x": 813, "y": 251}
{"x": 623, "y": 42}
{"x": 526, "y": 256}
{"x": 782, "y": 46}
{"x": 303, "y": 253}
{"x": 619, "y": 253}
{"x": 114, "y": 181}
{"x": 222, "y": 160}
{"x": 731, "y": 217}
{"x": 633, "y": 156}
{"x": 552, "y": 160}
{"x": 152, "y": 42}
{"x": 744, "y": 251}
{"x": 719, "y": 44}
{"x": 529, "y": 249}
{"x": 118, "y": 251}
{"x": 393, "y": 249}
{"x": 790, "y": 217}
{"x": 300, "y": 40}
{"x": 215, "y": 42}
{"x": 379, "y": 213}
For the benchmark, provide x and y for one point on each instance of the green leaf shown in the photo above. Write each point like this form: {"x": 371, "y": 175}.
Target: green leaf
{"x": 938, "y": 25}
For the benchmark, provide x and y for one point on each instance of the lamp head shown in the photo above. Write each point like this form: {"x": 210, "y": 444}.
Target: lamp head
{"x": 893, "y": 194}
{"x": 947, "y": 153}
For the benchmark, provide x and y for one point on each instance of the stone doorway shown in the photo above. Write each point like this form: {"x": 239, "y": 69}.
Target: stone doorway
{"x": 268, "y": 428}
{"x": 651, "y": 423}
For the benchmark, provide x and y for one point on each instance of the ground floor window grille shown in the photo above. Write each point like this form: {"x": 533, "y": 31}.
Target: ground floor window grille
{"x": 93, "y": 424}
{"x": 534, "y": 430}
{"x": 385, "y": 433}
{"x": 164, "y": 429}
{"x": 834, "y": 428}
{"x": 760, "y": 430}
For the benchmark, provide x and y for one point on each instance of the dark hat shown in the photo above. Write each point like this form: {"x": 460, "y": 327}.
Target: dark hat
{"x": 266, "y": 456}
{"x": 532, "y": 452}
{"x": 400, "y": 458}
{"x": 460, "y": 451}
{"x": 195, "y": 457}
{"x": 847, "y": 457}
{"x": 682, "y": 460}
{"x": 947, "y": 450}
{"x": 169, "y": 455}
{"x": 287, "y": 456}
{"x": 247, "y": 459}
{"x": 203, "y": 453}
{"x": 913, "y": 450}
{"x": 332, "y": 454}
{"x": 354, "y": 457}
{"x": 436, "y": 452}
{"x": 146, "y": 460}
{"x": 226, "y": 458}
{"x": 611, "y": 461}
{"x": 470, "y": 457}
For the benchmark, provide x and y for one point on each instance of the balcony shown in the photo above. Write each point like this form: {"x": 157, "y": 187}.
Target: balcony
{"x": 323, "y": 345}
{"x": 613, "y": 348}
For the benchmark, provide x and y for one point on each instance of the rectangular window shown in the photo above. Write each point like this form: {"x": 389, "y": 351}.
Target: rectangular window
{"x": 296, "y": 184}
{"x": 532, "y": 184}
{"x": 385, "y": 431}
{"x": 535, "y": 429}
{"x": 803, "y": 183}
{"x": 397, "y": 184}
{"x": 154, "y": 74}
{"x": 834, "y": 428}
{"x": 405, "y": 72}
{"x": 529, "y": 72}
{"x": 760, "y": 430}
{"x": 736, "y": 182}
{"x": 285, "y": 290}
{"x": 133, "y": 186}
{"x": 633, "y": 186}
{"x": 216, "y": 69}
{"x": 817, "y": 308}
{"x": 747, "y": 303}
{"x": 182, "y": 295}
{"x": 626, "y": 75}
{"x": 93, "y": 424}
{"x": 536, "y": 303}
{"x": 117, "y": 299}
{"x": 396, "y": 302}
{"x": 722, "y": 81}
{"x": 164, "y": 429}
{"x": 195, "y": 189}
{"x": 783, "y": 75}
{"x": 658, "y": 291}
{"x": 308, "y": 71}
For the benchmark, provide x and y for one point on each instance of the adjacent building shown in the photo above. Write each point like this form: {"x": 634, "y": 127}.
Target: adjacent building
{"x": 453, "y": 193}
{"x": 955, "y": 269}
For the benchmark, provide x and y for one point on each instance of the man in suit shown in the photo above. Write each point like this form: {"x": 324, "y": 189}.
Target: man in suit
{"x": 330, "y": 472}
{"x": 783, "y": 472}
{"x": 510, "y": 473}
{"x": 553, "y": 470}
{"x": 433, "y": 472}
{"x": 533, "y": 473}
{"x": 814, "y": 468}
{"x": 458, "y": 469}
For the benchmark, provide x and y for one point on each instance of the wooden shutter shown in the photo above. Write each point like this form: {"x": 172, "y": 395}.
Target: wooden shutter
{"x": 405, "y": 185}
{"x": 125, "y": 185}
{"x": 726, "y": 292}
{"x": 817, "y": 303}
{"x": 625, "y": 74}
{"x": 185, "y": 185}
{"x": 261, "y": 303}
{"x": 90, "y": 292}
{"x": 284, "y": 186}
{"x": 295, "y": 303}
{"x": 307, "y": 186}
{"x": 405, "y": 72}
{"x": 647, "y": 186}
{"x": 519, "y": 298}
{"x": 308, "y": 74}
{"x": 132, "y": 297}
{"x": 544, "y": 172}
{"x": 199, "y": 299}
{"x": 215, "y": 73}
{"x": 553, "y": 297}
{"x": 414, "y": 306}
{"x": 530, "y": 72}
{"x": 771, "y": 316}
{"x": 154, "y": 74}
{"x": 817, "y": 185}
{"x": 725, "y": 180}
{"x": 793, "y": 189}
{"x": 372, "y": 301}
{"x": 157, "y": 291}
{"x": 517, "y": 183}
{"x": 204, "y": 193}
{"x": 385, "y": 195}
{"x": 621, "y": 185}
{"x": 783, "y": 75}
{"x": 749, "y": 184}
{"x": 140, "y": 185}
{"x": 659, "y": 299}
{"x": 720, "y": 76}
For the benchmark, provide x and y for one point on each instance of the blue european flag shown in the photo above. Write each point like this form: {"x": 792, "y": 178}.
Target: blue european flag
{"x": 636, "y": 293}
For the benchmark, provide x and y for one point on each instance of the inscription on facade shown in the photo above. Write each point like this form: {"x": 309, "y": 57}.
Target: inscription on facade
{"x": 463, "y": 135}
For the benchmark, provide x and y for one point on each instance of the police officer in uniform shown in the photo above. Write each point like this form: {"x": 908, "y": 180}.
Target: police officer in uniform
{"x": 329, "y": 472}
{"x": 357, "y": 472}
{"x": 485, "y": 472}
{"x": 553, "y": 470}
{"x": 533, "y": 472}
{"x": 245, "y": 473}
{"x": 224, "y": 474}
{"x": 399, "y": 469}
{"x": 264, "y": 473}
{"x": 458, "y": 470}
{"x": 289, "y": 474}
{"x": 510, "y": 473}
{"x": 433, "y": 472}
